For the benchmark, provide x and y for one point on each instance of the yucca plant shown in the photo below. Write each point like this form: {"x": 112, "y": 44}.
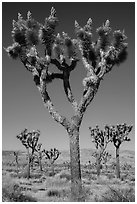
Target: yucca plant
{"x": 29, "y": 140}
{"x": 52, "y": 155}
{"x": 98, "y": 59}
{"x": 100, "y": 138}
{"x": 119, "y": 134}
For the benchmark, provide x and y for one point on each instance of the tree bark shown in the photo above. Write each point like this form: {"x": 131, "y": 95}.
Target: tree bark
{"x": 40, "y": 163}
{"x": 76, "y": 183}
{"x": 98, "y": 166}
{"x": 117, "y": 163}
{"x": 52, "y": 168}
{"x": 29, "y": 163}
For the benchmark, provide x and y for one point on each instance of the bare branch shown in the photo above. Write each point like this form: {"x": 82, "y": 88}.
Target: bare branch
{"x": 68, "y": 91}
{"x": 49, "y": 105}
{"x": 87, "y": 98}
{"x": 56, "y": 63}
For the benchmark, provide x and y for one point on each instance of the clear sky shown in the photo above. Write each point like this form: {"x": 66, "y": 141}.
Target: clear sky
{"x": 21, "y": 102}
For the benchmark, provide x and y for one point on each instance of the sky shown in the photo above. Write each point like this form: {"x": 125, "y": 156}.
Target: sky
{"x": 22, "y": 106}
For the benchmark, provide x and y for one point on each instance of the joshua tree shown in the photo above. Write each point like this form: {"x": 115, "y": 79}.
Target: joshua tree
{"x": 106, "y": 157}
{"x": 39, "y": 154}
{"x": 29, "y": 140}
{"x": 119, "y": 133}
{"x": 16, "y": 160}
{"x": 60, "y": 50}
{"x": 101, "y": 139}
{"x": 52, "y": 155}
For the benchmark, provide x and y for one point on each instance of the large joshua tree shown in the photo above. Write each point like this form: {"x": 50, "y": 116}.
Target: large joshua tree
{"x": 100, "y": 138}
{"x": 29, "y": 140}
{"x": 60, "y": 50}
{"x": 119, "y": 134}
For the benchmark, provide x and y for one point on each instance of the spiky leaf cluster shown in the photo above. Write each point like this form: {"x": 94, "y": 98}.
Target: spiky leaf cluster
{"x": 25, "y": 32}
{"x": 29, "y": 139}
{"x": 14, "y": 50}
{"x": 29, "y": 32}
{"x": 118, "y": 51}
{"x": 70, "y": 46}
{"x": 104, "y": 35}
{"x": 114, "y": 47}
{"x": 116, "y": 134}
{"x": 85, "y": 39}
{"x": 58, "y": 49}
{"x": 119, "y": 133}
{"x": 47, "y": 32}
{"x": 51, "y": 154}
{"x": 100, "y": 137}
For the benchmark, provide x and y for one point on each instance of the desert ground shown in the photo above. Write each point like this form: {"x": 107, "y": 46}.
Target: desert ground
{"x": 48, "y": 187}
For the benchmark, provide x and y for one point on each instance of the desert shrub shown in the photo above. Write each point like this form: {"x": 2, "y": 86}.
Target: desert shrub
{"x": 22, "y": 174}
{"x": 126, "y": 166}
{"x": 13, "y": 175}
{"x": 132, "y": 178}
{"x": 110, "y": 176}
{"x": 113, "y": 165}
{"x": 118, "y": 195}
{"x": 52, "y": 182}
{"x": 51, "y": 173}
{"x": 36, "y": 176}
{"x": 64, "y": 175}
{"x": 11, "y": 192}
{"x": 53, "y": 192}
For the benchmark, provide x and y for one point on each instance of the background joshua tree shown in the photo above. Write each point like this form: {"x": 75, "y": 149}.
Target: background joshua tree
{"x": 106, "y": 157}
{"x": 16, "y": 159}
{"x": 52, "y": 155}
{"x": 39, "y": 154}
{"x": 60, "y": 50}
{"x": 101, "y": 139}
{"x": 119, "y": 133}
{"x": 29, "y": 140}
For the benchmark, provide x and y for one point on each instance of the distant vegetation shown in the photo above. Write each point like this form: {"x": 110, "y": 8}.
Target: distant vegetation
{"x": 44, "y": 186}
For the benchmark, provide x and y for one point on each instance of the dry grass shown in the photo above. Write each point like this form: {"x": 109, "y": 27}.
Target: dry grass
{"x": 118, "y": 195}
{"x": 42, "y": 187}
{"x": 12, "y": 192}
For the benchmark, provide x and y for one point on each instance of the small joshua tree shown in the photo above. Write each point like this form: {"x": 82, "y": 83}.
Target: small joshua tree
{"x": 29, "y": 140}
{"x": 16, "y": 159}
{"x": 52, "y": 155}
{"x": 105, "y": 158}
{"x": 39, "y": 153}
{"x": 101, "y": 139}
{"x": 119, "y": 133}
{"x": 98, "y": 59}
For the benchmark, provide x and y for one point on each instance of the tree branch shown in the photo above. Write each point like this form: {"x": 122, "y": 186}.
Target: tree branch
{"x": 56, "y": 76}
{"x": 86, "y": 99}
{"x": 73, "y": 64}
{"x": 57, "y": 64}
{"x": 49, "y": 105}
{"x": 68, "y": 91}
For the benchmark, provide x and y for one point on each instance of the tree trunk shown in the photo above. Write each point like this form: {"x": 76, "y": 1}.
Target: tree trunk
{"x": 29, "y": 163}
{"x": 117, "y": 163}
{"x": 40, "y": 163}
{"x": 98, "y": 166}
{"x": 32, "y": 157}
{"x": 76, "y": 183}
{"x": 17, "y": 165}
{"x": 52, "y": 168}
